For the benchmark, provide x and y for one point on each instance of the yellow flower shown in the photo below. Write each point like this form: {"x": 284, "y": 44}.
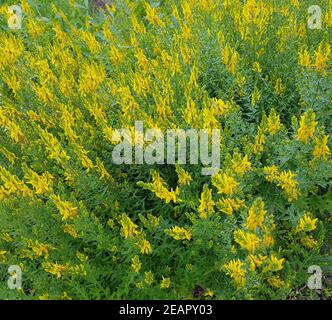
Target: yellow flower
{"x": 159, "y": 188}
{"x": 11, "y": 157}
{"x": 70, "y": 230}
{"x": 321, "y": 148}
{"x": 41, "y": 183}
{"x": 224, "y": 183}
{"x": 273, "y": 264}
{"x": 136, "y": 264}
{"x": 306, "y": 223}
{"x": 229, "y": 206}
{"x": 273, "y": 122}
{"x": 39, "y": 248}
{"x": 230, "y": 57}
{"x": 3, "y": 255}
{"x": 240, "y": 165}
{"x": 256, "y": 215}
{"x": 236, "y": 271}
{"x": 246, "y": 240}
{"x": 206, "y": 206}
{"x": 165, "y": 283}
{"x": 53, "y": 147}
{"x": 11, "y": 48}
{"x": 259, "y": 141}
{"x": 179, "y": 233}
{"x": 55, "y": 269}
{"x": 309, "y": 242}
{"x": 102, "y": 170}
{"x": 307, "y": 126}
{"x": 286, "y": 180}
{"x": 152, "y": 16}
{"x": 91, "y": 42}
{"x": 279, "y": 88}
{"x": 255, "y": 261}
{"x": 184, "y": 177}
{"x": 129, "y": 228}
{"x": 91, "y": 77}
{"x": 256, "y": 67}
{"x": 275, "y": 282}
{"x": 255, "y": 97}
{"x": 304, "y": 58}
{"x": 66, "y": 209}
{"x": 271, "y": 173}
{"x": 145, "y": 246}
{"x": 82, "y": 257}
{"x": 148, "y": 277}
{"x": 137, "y": 27}
{"x": 322, "y": 57}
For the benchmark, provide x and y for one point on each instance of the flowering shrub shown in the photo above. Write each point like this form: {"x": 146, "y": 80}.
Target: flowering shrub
{"x": 81, "y": 227}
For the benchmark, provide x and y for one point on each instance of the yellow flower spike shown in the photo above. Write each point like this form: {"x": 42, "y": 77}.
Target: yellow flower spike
{"x": 53, "y": 146}
{"x": 13, "y": 185}
{"x": 165, "y": 283}
{"x": 229, "y": 206}
{"x": 275, "y": 282}
{"x": 322, "y": 57}
{"x": 152, "y": 16}
{"x": 70, "y": 230}
{"x": 148, "y": 277}
{"x": 321, "y": 149}
{"x": 3, "y": 256}
{"x": 11, "y": 48}
{"x": 256, "y": 215}
{"x": 184, "y": 177}
{"x": 259, "y": 141}
{"x": 256, "y": 96}
{"x": 271, "y": 173}
{"x": 309, "y": 242}
{"x": 307, "y": 127}
{"x": 179, "y": 233}
{"x": 225, "y": 183}
{"x": 286, "y": 180}
{"x": 247, "y": 240}
{"x": 67, "y": 211}
{"x": 159, "y": 188}
{"x": 136, "y": 264}
{"x": 240, "y": 165}
{"x": 11, "y": 157}
{"x": 129, "y": 229}
{"x": 41, "y": 183}
{"x": 137, "y": 26}
{"x": 55, "y": 269}
{"x": 236, "y": 271}
{"x": 145, "y": 246}
{"x": 91, "y": 77}
{"x": 230, "y": 57}
{"x": 273, "y": 264}
{"x": 40, "y": 249}
{"x": 206, "y": 203}
{"x": 255, "y": 261}
{"x": 306, "y": 223}
{"x": 104, "y": 175}
{"x": 273, "y": 122}
{"x": 279, "y": 88}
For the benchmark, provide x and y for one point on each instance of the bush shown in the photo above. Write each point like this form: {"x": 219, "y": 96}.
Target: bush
{"x": 82, "y": 227}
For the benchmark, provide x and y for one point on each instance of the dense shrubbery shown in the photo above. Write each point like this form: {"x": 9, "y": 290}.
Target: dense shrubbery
{"x": 82, "y": 227}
